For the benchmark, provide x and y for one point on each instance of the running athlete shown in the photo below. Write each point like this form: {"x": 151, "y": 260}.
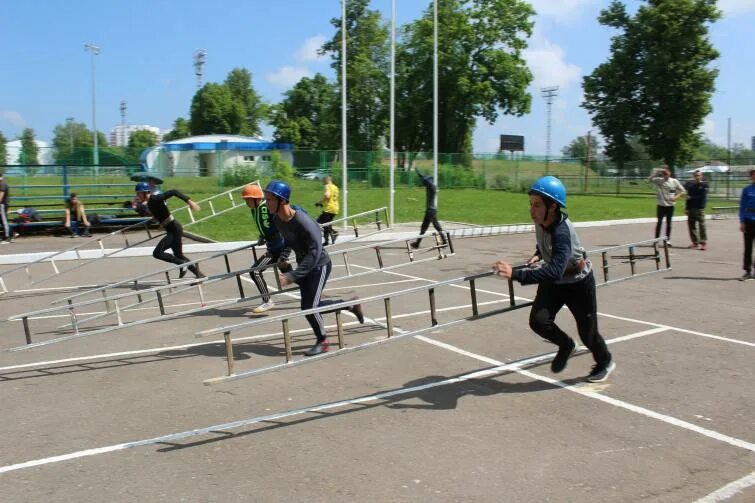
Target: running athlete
{"x": 566, "y": 278}
{"x": 153, "y": 182}
{"x": 431, "y": 208}
{"x": 173, "y": 230}
{"x": 269, "y": 236}
{"x": 302, "y": 235}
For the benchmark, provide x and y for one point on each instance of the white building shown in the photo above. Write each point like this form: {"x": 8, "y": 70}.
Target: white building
{"x": 13, "y": 148}
{"x": 120, "y": 135}
{"x": 211, "y": 155}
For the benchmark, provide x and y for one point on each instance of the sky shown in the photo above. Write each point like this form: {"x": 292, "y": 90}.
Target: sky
{"x": 147, "y": 49}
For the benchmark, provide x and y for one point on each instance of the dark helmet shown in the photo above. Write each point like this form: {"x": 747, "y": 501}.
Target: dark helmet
{"x": 142, "y": 187}
{"x": 550, "y": 187}
{"x": 280, "y": 189}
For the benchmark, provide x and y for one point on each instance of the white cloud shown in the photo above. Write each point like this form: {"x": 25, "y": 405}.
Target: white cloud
{"x": 308, "y": 51}
{"x": 548, "y": 65}
{"x": 12, "y": 118}
{"x": 286, "y": 76}
{"x": 562, "y": 10}
{"x": 730, "y": 7}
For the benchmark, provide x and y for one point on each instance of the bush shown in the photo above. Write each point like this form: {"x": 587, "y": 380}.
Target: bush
{"x": 281, "y": 169}
{"x": 239, "y": 175}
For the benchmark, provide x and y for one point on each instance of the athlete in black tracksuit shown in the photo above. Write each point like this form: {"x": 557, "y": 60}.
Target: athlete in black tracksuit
{"x": 173, "y": 229}
{"x": 431, "y": 209}
{"x": 302, "y": 235}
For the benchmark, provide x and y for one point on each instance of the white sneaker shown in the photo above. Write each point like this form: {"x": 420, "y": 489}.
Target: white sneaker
{"x": 266, "y": 306}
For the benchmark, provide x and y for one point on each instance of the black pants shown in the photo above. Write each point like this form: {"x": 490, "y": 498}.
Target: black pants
{"x": 662, "y": 212}
{"x": 749, "y": 235}
{"x": 325, "y": 218}
{"x": 311, "y": 288}
{"x": 262, "y": 262}
{"x": 431, "y": 216}
{"x": 173, "y": 240}
{"x": 581, "y": 300}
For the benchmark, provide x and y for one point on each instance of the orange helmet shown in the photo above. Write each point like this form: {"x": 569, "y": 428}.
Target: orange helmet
{"x": 252, "y": 191}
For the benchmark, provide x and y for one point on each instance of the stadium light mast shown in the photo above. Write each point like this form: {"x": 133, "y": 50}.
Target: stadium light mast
{"x": 549, "y": 93}
{"x": 94, "y": 51}
{"x": 393, "y": 114}
{"x": 345, "y": 166}
{"x": 200, "y": 56}
{"x": 123, "y": 109}
{"x": 435, "y": 99}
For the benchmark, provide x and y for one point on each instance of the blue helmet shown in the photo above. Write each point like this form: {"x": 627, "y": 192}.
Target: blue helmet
{"x": 280, "y": 189}
{"x": 550, "y": 187}
{"x": 142, "y": 187}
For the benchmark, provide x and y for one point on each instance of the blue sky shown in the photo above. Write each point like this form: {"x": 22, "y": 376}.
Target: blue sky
{"x": 147, "y": 49}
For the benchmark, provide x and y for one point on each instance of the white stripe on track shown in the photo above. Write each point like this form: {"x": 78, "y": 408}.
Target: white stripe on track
{"x": 729, "y": 490}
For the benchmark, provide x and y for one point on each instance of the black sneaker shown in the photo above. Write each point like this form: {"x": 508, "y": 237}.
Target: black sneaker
{"x": 356, "y": 310}
{"x": 319, "y": 348}
{"x": 564, "y": 352}
{"x": 747, "y": 276}
{"x": 601, "y": 371}
{"x": 181, "y": 272}
{"x": 415, "y": 244}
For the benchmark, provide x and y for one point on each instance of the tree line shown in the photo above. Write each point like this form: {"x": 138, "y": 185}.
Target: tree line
{"x": 649, "y": 98}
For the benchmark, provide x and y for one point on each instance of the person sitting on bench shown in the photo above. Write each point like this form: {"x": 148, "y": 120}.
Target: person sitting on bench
{"x": 75, "y": 215}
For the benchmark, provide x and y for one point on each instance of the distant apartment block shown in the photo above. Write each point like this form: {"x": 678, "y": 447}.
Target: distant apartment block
{"x": 752, "y": 143}
{"x": 119, "y": 135}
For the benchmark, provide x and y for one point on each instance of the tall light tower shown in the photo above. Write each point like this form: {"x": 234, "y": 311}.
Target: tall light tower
{"x": 548, "y": 93}
{"x": 94, "y": 51}
{"x": 123, "y": 123}
{"x": 200, "y": 57}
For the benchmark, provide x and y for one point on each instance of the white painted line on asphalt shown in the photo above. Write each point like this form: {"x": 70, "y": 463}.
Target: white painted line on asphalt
{"x": 729, "y": 490}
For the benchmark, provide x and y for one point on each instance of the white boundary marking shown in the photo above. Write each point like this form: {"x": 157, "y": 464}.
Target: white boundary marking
{"x": 729, "y": 490}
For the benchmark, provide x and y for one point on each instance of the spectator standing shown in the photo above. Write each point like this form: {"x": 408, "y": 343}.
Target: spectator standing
{"x": 668, "y": 190}
{"x": 747, "y": 225}
{"x": 694, "y": 208}
{"x": 4, "y": 201}
{"x": 330, "y": 208}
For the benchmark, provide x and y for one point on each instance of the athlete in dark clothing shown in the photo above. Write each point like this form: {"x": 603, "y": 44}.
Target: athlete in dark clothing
{"x": 566, "y": 278}
{"x": 431, "y": 209}
{"x": 4, "y": 201}
{"x": 269, "y": 236}
{"x": 173, "y": 230}
{"x": 302, "y": 235}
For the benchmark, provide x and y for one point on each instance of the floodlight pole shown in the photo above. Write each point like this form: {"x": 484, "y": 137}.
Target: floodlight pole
{"x": 94, "y": 51}
{"x": 548, "y": 93}
{"x": 392, "y": 167}
{"x": 435, "y": 99}
{"x": 344, "y": 167}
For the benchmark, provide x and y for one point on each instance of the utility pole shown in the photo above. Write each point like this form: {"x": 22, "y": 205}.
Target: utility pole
{"x": 123, "y": 140}
{"x": 94, "y": 51}
{"x": 549, "y": 93}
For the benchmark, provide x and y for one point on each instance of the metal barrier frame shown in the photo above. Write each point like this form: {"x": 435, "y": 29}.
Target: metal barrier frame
{"x": 430, "y": 289}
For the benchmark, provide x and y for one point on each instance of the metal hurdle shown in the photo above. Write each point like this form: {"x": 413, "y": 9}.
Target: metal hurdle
{"x": 386, "y": 299}
{"x": 51, "y": 258}
{"x": 113, "y": 306}
{"x": 378, "y": 221}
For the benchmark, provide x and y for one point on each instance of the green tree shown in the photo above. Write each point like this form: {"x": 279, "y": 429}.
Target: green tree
{"x": 73, "y": 140}
{"x": 3, "y": 149}
{"x": 214, "y": 110}
{"x": 239, "y": 83}
{"x": 281, "y": 169}
{"x": 481, "y": 72}
{"x": 367, "y": 67}
{"x": 139, "y": 141}
{"x": 577, "y": 149}
{"x": 180, "y": 130}
{"x": 307, "y": 115}
{"x": 664, "y": 55}
{"x": 29, "y": 154}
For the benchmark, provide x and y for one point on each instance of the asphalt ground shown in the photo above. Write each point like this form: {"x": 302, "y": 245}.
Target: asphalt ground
{"x": 470, "y": 412}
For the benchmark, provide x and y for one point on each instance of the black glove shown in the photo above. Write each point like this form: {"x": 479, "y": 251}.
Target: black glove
{"x": 284, "y": 266}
